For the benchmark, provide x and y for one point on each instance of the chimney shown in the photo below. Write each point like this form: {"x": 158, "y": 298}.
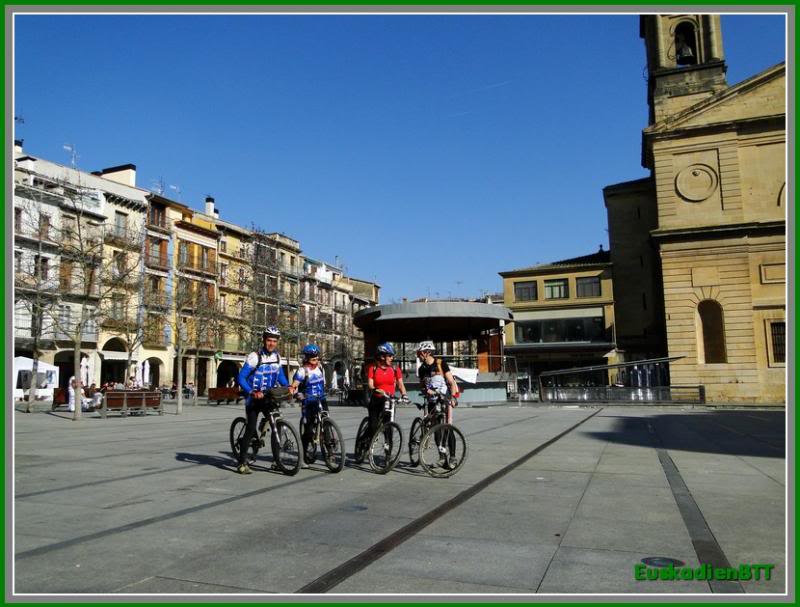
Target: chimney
{"x": 209, "y": 206}
{"x": 18, "y": 146}
{"x": 124, "y": 174}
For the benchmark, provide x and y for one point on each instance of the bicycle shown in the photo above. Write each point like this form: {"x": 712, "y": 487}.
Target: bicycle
{"x": 433, "y": 442}
{"x": 383, "y": 448}
{"x": 284, "y": 440}
{"x": 329, "y": 438}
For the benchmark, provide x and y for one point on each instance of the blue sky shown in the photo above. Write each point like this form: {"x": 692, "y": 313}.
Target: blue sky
{"x": 424, "y": 152}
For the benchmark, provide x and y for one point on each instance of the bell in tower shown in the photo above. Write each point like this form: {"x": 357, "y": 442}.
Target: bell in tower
{"x": 685, "y": 61}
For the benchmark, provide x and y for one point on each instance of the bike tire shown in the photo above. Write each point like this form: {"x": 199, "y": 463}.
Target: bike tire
{"x": 286, "y": 448}
{"x": 360, "y": 452}
{"x": 381, "y": 460}
{"x": 430, "y": 456}
{"x": 238, "y": 427}
{"x": 332, "y": 446}
{"x": 414, "y": 440}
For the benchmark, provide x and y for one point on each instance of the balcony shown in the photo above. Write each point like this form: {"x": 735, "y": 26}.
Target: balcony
{"x": 234, "y": 344}
{"x": 122, "y": 237}
{"x": 292, "y": 270}
{"x": 89, "y": 334}
{"x": 159, "y": 224}
{"x": 156, "y": 262}
{"x": 119, "y": 323}
{"x": 206, "y": 266}
{"x": 155, "y": 299}
{"x": 76, "y": 288}
{"x": 155, "y": 339}
{"x": 24, "y": 280}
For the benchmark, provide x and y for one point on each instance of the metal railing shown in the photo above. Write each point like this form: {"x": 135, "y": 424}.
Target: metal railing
{"x": 160, "y": 262}
{"x": 670, "y": 394}
{"x": 635, "y": 381}
{"x": 190, "y": 263}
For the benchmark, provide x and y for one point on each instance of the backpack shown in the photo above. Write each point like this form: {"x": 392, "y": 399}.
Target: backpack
{"x": 441, "y": 372}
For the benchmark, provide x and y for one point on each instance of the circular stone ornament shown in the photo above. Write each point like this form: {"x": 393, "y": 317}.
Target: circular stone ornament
{"x": 696, "y": 182}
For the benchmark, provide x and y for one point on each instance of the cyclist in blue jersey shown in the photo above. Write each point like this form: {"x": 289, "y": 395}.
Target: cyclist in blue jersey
{"x": 310, "y": 378}
{"x": 261, "y": 372}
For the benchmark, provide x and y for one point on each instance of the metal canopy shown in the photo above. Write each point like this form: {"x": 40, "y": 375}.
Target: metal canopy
{"x": 438, "y": 320}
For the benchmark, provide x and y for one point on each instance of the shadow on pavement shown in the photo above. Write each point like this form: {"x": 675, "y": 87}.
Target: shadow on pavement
{"x": 757, "y": 433}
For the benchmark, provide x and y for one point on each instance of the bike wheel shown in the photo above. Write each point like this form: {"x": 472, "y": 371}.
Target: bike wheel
{"x": 310, "y": 449}
{"x": 360, "y": 453}
{"x": 443, "y": 450}
{"x": 238, "y": 427}
{"x": 414, "y": 439}
{"x": 332, "y": 445}
{"x": 286, "y": 448}
{"x": 385, "y": 447}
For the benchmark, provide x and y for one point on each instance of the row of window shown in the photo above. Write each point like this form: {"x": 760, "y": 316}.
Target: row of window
{"x": 561, "y": 330}
{"x": 558, "y": 288}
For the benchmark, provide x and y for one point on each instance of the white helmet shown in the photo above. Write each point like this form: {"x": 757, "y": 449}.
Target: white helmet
{"x": 425, "y": 346}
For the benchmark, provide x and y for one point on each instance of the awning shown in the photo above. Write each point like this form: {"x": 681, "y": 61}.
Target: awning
{"x": 116, "y": 355}
{"x": 233, "y": 357}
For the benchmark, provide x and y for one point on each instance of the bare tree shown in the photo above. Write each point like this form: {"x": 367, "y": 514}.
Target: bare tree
{"x": 90, "y": 280}
{"x": 35, "y": 288}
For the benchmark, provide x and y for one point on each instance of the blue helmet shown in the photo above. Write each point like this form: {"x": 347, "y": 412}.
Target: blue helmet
{"x": 386, "y": 348}
{"x": 310, "y": 351}
{"x": 271, "y": 331}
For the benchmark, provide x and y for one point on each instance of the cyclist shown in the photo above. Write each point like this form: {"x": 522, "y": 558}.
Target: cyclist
{"x": 311, "y": 377}
{"x": 382, "y": 378}
{"x": 260, "y": 373}
{"x": 435, "y": 378}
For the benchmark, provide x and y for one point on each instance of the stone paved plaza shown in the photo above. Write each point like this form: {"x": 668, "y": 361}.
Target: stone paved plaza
{"x": 152, "y": 505}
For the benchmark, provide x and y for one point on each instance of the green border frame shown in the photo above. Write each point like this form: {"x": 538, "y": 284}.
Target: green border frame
{"x": 623, "y": 5}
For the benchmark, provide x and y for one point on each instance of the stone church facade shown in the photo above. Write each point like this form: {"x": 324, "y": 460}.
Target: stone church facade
{"x": 698, "y": 249}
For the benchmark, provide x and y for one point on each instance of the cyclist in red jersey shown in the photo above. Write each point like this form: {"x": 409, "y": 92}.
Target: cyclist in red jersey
{"x": 383, "y": 378}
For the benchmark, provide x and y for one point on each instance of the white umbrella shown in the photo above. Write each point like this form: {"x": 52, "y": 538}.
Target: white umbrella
{"x": 85, "y": 370}
{"x": 138, "y": 378}
{"x": 346, "y": 378}
{"x": 90, "y": 368}
{"x": 147, "y": 372}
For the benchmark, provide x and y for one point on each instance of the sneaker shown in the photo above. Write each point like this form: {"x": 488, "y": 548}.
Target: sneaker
{"x": 451, "y": 463}
{"x": 244, "y": 469}
{"x": 303, "y": 465}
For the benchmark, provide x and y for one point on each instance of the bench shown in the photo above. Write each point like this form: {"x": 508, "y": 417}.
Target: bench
{"x": 126, "y": 401}
{"x": 226, "y": 394}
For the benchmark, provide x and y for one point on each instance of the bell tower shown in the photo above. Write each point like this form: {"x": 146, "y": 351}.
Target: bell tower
{"x": 685, "y": 61}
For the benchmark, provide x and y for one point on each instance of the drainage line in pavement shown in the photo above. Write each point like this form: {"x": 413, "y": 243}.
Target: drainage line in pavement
{"x": 336, "y": 576}
{"x": 705, "y": 544}
{"x": 155, "y": 519}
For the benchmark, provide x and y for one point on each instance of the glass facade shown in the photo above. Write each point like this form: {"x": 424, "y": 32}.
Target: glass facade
{"x": 562, "y": 330}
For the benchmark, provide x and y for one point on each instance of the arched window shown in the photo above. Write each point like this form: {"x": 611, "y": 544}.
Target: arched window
{"x": 711, "y": 333}
{"x": 685, "y": 44}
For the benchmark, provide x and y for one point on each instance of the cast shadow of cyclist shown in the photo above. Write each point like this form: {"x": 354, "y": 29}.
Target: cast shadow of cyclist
{"x": 227, "y": 461}
{"x": 401, "y": 467}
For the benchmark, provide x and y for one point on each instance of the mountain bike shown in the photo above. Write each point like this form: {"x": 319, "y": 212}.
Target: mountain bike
{"x": 383, "y": 448}
{"x": 326, "y": 435}
{"x": 433, "y": 442}
{"x": 284, "y": 439}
